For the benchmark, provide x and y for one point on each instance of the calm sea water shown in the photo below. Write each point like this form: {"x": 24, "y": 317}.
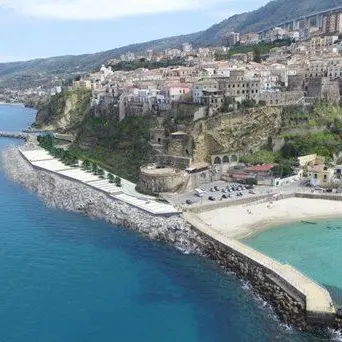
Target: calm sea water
{"x": 313, "y": 249}
{"x": 64, "y": 277}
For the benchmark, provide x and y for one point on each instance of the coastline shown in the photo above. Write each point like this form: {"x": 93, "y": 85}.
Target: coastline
{"x": 58, "y": 192}
{"x": 241, "y": 221}
{"x": 62, "y": 193}
{"x": 274, "y": 224}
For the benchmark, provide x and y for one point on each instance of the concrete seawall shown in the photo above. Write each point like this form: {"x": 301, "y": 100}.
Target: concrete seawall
{"x": 297, "y": 299}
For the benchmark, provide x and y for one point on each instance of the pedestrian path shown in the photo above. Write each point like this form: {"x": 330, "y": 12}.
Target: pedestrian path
{"x": 41, "y": 159}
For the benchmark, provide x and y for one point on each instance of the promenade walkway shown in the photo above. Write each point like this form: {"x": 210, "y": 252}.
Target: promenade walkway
{"x": 318, "y": 300}
{"x": 40, "y": 158}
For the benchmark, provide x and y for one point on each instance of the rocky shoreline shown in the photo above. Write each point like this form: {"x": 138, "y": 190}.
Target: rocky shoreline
{"x": 58, "y": 192}
{"x": 61, "y": 193}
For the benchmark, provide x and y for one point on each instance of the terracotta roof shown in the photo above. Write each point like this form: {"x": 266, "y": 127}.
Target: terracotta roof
{"x": 259, "y": 168}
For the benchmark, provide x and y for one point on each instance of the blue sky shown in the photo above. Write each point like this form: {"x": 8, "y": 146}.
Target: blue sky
{"x": 44, "y": 28}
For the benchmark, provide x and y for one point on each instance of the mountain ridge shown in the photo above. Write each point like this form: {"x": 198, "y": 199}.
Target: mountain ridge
{"x": 276, "y": 11}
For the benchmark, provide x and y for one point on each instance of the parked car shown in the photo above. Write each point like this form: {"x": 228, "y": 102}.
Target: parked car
{"x": 211, "y": 198}
{"x": 199, "y": 192}
{"x": 251, "y": 192}
{"x": 189, "y": 202}
{"x": 216, "y": 188}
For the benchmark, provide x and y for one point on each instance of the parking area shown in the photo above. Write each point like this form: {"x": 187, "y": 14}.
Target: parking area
{"x": 218, "y": 191}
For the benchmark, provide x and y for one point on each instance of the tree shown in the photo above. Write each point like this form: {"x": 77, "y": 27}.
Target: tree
{"x": 94, "y": 168}
{"x": 86, "y": 164}
{"x": 100, "y": 172}
{"x": 110, "y": 177}
{"x": 283, "y": 169}
{"x": 74, "y": 160}
{"x": 117, "y": 181}
{"x": 257, "y": 55}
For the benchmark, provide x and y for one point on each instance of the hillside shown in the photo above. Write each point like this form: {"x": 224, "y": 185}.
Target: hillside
{"x": 44, "y": 71}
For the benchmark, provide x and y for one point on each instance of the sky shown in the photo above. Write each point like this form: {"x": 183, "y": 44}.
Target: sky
{"x": 44, "y": 28}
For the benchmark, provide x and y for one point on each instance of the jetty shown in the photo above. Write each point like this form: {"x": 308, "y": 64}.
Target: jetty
{"x": 297, "y": 298}
{"x": 15, "y": 135}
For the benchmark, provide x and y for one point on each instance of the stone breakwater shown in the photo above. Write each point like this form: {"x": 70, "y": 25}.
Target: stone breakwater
{"x": 58, "y": 192}
{"x": 15, "y": 135}
{"x": 61, "y": 193}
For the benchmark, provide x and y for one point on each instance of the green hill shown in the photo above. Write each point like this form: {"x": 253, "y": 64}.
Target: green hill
{"x": 44, "y": 71}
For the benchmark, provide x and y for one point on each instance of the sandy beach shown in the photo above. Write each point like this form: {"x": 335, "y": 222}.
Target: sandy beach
{"x": 241, "y": 221}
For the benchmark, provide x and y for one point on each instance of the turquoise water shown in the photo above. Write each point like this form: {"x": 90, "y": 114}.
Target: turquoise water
{"x": 64, "y": 277}
{"x": 313, "y": 249}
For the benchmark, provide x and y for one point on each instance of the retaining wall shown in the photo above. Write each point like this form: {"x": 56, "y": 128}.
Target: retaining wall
{"x": 235, "y": 202}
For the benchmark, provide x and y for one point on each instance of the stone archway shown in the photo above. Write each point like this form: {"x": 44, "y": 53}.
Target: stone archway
{"x": 225, "y": 160}
{"x": 217, "y": 160}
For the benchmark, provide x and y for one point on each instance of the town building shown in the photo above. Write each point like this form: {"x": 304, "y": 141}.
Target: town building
{"x": 332, "y": 23}
{"x": 233, "y": 38}
{"x": 250, "y": 38}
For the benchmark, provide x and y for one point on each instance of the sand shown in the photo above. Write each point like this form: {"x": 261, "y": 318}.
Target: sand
{"x": 240, "y": 221}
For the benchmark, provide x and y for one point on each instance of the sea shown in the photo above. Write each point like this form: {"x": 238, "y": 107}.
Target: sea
{"x": 67, "y": 278}
{"x": 313, "y": 248}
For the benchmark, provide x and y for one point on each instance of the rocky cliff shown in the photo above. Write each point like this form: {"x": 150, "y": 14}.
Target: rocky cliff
{"x": 246, "y": 131}
{"x": 64, "y": 112}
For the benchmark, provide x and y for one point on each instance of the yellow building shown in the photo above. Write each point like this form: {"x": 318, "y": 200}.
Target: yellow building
{"x": 314, "y": 168}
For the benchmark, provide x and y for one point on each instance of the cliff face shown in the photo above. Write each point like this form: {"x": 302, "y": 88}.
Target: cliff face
{"x": 64, "y": 112}
{"x": 243, "y": 132}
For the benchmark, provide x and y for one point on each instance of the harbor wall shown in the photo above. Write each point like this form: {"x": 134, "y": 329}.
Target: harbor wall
{"x": 282, "y": 286}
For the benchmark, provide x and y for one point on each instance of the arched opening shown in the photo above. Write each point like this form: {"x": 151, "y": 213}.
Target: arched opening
{"x": 159, "y": 140}
{"x": 187, "y": 152}
{"x": 225, "y": 160}
{"x": 217, "y": 160}
{"x": 234, "y": 158}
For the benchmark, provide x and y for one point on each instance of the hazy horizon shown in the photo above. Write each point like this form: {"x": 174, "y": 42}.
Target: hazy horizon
{"x": 32, "y": 29}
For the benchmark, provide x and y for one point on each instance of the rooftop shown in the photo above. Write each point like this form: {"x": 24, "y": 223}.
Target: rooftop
{"x": 259, "y": 168}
